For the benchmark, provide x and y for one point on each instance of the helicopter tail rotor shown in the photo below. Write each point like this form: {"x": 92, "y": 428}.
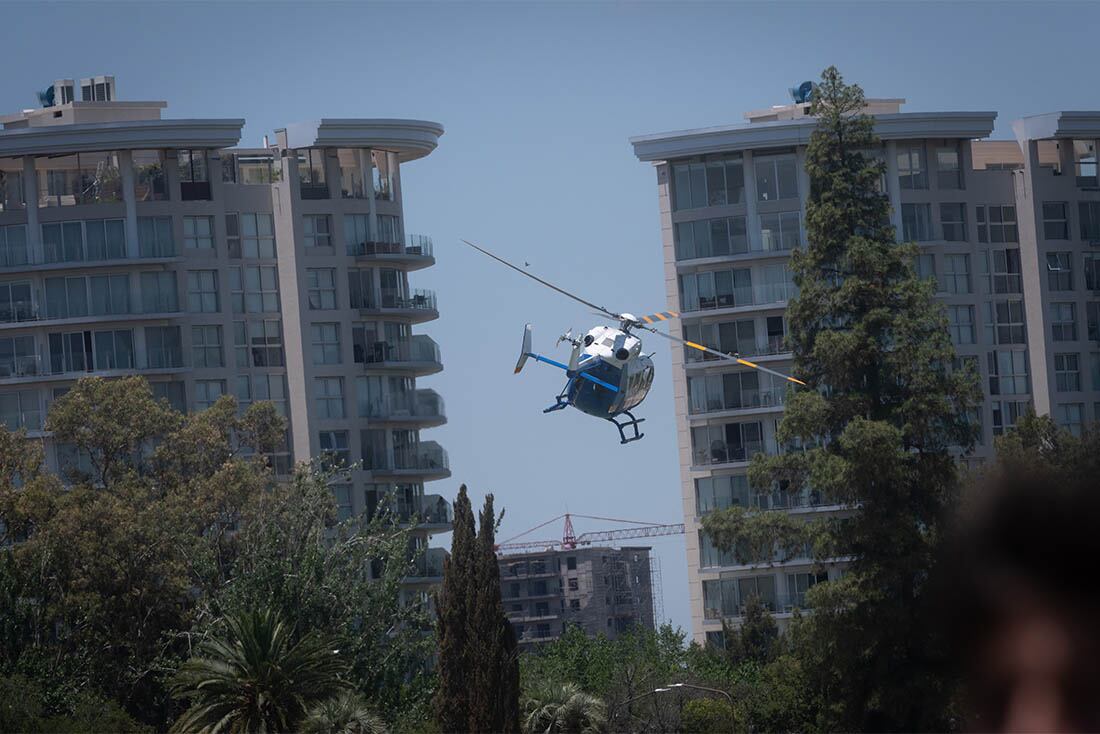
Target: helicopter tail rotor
{"x": 525, "y": 351}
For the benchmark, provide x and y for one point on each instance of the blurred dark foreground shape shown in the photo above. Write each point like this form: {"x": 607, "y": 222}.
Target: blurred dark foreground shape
{"x": 1021, "y": 608}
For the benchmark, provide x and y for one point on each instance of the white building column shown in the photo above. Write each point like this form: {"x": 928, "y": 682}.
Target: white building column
{"x": 893, "y": 186}
{"x": 30, "y": 197}
{"x": 129, "y": 197}
{"x": 752, "y": 222}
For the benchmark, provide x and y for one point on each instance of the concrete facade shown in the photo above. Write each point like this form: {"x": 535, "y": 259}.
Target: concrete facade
{"x": 131, "y": 244}
{"x": 1010, "y": 230}
{"x": 602, "y": 590}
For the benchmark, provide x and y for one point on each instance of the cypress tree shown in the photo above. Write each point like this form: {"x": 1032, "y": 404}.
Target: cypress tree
{"x": 878, "y": 428}
{"x": 494, "y": 704}
{"x": 452, "y": 612}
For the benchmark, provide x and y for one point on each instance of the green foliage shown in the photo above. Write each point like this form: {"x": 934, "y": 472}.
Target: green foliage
{"x": 478, "y": 657}
{"x": 106, "y": 586}
{"x": 710, "y": 716}
{"x": 23, "y": 709}
{"x": 347, "y": 713}
{"x": 562, "y": 708}
{"x": 255, "y": 677}
{"x": 876, "y": 425}
{"x": 756, "y": 640}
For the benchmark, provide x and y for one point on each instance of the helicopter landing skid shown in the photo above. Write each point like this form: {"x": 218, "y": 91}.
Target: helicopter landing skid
{"x": 632, "y": 423}
{"x": 561, "y": 404}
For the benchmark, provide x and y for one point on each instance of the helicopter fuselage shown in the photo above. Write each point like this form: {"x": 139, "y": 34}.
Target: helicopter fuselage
{"x": 615, "y": 357}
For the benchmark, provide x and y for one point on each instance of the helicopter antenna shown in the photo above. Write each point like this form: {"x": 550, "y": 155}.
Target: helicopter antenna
{"x": 532, "y": 276}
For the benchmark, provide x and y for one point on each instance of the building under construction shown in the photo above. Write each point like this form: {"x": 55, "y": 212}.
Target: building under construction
{"x": 605, "y": 590}
{"x": 548, "y": 585}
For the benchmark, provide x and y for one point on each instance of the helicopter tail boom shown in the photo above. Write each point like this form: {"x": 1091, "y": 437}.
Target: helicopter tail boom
{"x": 525, "y": 351}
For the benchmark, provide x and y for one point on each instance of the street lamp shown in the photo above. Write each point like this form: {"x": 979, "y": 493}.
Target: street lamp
{"x": 670, "y": 686}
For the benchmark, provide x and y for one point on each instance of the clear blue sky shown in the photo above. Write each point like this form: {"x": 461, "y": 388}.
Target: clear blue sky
{"x": 538, "y": 101}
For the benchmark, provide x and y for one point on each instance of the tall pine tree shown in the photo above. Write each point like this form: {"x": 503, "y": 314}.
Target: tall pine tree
{"x": 478, "y": 655}
{"x": 879, "y": 427}
{"x": 452, "y": 611}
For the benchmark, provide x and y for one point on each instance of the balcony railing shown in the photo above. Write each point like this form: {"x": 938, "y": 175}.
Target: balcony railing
{"x": 417, "y": 349}
{"x": 768, "y": 398}
{"x": 780, "y": 603}
{"x": 430, "y": 564}
{"x": 426, "y": 404}
{"x": 756, "y": 295}
{"x": 26, "y": 312}
{"x": 415, "y": 245}
{"x": 416, "y": 300}
{"x": 776, "y": 500}
{"x": 762, "y": 348}
{"x": 431, "y": 509}
{"x": 721, "y": 452}
{"x": 426, "y": 458}
{"x": 37, "y": 366}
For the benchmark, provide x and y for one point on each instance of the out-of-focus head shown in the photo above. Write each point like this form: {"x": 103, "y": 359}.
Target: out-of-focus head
{"x": 1023, "y": 605}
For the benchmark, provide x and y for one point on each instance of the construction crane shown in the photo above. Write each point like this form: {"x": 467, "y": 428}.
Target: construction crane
{"x": 570, "y": 540}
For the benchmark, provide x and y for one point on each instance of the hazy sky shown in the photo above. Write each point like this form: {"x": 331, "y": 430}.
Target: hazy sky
{"x": 538, "y": 101}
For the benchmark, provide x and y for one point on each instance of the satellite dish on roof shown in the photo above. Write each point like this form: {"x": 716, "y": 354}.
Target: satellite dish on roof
{"x": 803, "y": 93}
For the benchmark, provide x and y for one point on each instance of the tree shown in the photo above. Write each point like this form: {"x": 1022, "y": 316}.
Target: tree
{"x": 256, "y": 677}
{"x": 478, "y": 657}
{"x": 347, "y": 713}
{"x": 709, "y": 716}
{"x": 755, "y": 639}
{"x": 554, "y": 708}
{"x": 875, "y": 431}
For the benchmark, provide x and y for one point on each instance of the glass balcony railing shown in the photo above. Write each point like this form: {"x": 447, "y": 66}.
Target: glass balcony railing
{"x": 777, "y": 500}
{"x": 415, "y": 300}
{"x": 756, "y": 295}
{"x": 38, "y": 366}
{"x": 426, "y": 404}
{"x": 24, "y": 312}
{"x": 779, "y": 603}
{"x": 415, "y": 245}
{"x": 430, "y": 564}
{"x": 428, "y": 456}
{"x": 761, "y": 348}
{"x": 431, "y": 509}
{"x": 721, "y": 452}
{"x": 747, "y": 399}
{"x": 418, "y": 349}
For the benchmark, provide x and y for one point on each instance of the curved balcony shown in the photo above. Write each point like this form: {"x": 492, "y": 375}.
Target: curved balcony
{"x": 428, "y": 568}
{"x": 431, "y": 512}
{"x": 416, "y": 307}
{"x": 418, "y": 355}
{"x": 427, "y": 461}
{"x": 422, "y": 408}
{"x": 722, "y": 453}
{"x": 414, "y": 253}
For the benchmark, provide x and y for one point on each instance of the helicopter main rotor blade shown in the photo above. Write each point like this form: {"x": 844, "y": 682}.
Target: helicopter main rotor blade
{"x": 548, "y": 284}
{"x": 723, "y": 355}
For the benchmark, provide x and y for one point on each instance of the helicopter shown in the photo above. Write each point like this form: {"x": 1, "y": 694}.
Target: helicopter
{"x": 608, "y": 374}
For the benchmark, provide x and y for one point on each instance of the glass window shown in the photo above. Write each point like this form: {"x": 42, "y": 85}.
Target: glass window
{"x": 321, "y": 288}
{"x": 916, "y": 222}
{"x": 1089, "y": 212}
{"x": 953, "y": 221}
{"x": 110, "y": 294}
{"x": 328, "y": 393}
{"x": 12, "y": 191}
{"x": 155, "y": 237}
{"x": 1091, "y": 262}
{"x": 206, "y": 346}
{"x": 912, "y": 172}
{"x": 82, "y": 178}
{"x": 257, "y": 235}
{"x": 172, "y": 391}
{"x": 956, "y": 274}
{"x": 780, "y": 231}
{"x": 202, "y": 291}
{"x": 207, "y": 393}
{"x": 1063, "y": 321}
{"x": 198, "y": 233}
{"x": 334, "y": 449}
{"x": 356, "y": 233}
{"x": 114, "y": 350}
{"x": 16, "y": 302}
{"x": 948, "y": 170}
{"x": 361, "y": 288}
{"x": 254, "y": 289}
{"x": 1067, "y": 372}
{"x": 1060, "y": 271}
{"x": 163, "y": 347}
{"x": 105, "y": 239}
{"x": 63, "y": 242}
{"x": 1055, "y": 220}
{"x": 13, "y": 245}
{"x": 326, "y": 343}
{"x": 1084, "y": 163}
{"x": 1005, "y": 322}
{"x": 1006, "y": 271}
{"x": 1092, "y": 314}
{"x": 960, "y": 321}
{"x": 1070, "y": 416}
{"x": 258, "y": 343}
{"x": 776, "y": 177}
{"x": 158, "y": 292}
{"x": 1008, "y": 373}
{"x": 193, "y": 166}
{"x": 311, "y": 167}
{"x": 925, "y": 266}
{"x": 1001, "y": 225}
{"x": 315, "y": 228}
{"x": 21, "y": 410}
{"x": 389, "y": 229}
{"x": 150, "y": 183}
{"x": 269, "y": 388}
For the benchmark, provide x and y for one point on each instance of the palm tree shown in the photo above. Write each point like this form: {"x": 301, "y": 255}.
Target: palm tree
{"x": 563, "y": 708}
{"x": 347, "y": 713}
{"x": 255, "y": 678}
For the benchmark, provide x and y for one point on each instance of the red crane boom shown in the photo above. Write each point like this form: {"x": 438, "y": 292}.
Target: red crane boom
{"x": 569, "y": 540}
